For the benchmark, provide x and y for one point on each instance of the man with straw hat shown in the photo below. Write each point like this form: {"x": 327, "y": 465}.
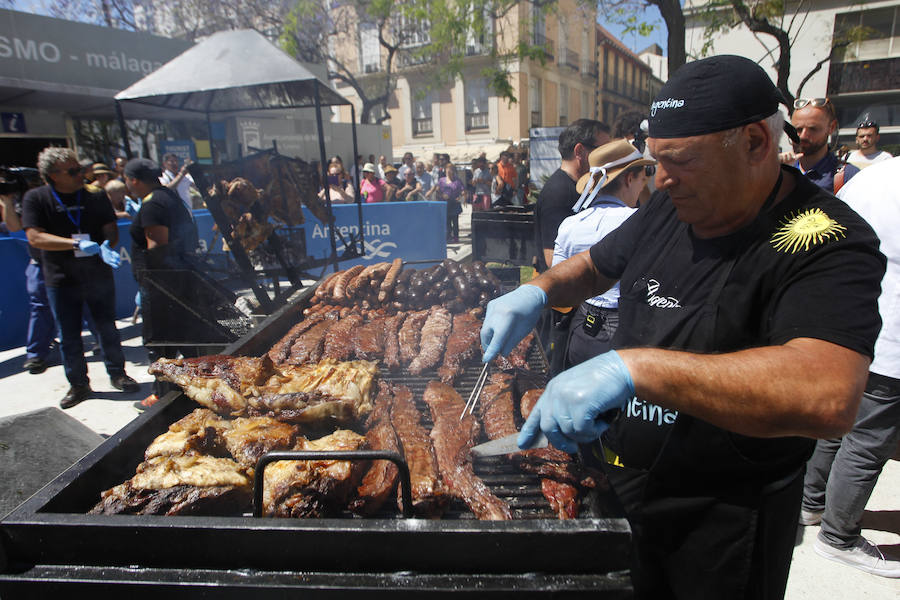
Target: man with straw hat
{"x": 610, "y": 193}
{"x": 748, "y": 320}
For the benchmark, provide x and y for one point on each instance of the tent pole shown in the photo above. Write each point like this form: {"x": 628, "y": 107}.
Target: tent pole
{"x": 324, "y": 166}
{"x": 359, "y": 212}
{"x": 124, "y": 130}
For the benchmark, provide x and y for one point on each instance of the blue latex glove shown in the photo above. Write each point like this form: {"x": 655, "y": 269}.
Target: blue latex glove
{"x": 573, "y": 403}
{"x": 110, "y": 256}
{"x": 89, "y": 247}
{"x": 509, "y": 318}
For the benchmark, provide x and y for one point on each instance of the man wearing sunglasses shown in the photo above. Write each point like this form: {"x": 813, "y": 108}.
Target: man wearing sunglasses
{"x": 75, "y": 229}
{"x": 748, "y": 314}
{"x": 815, "y": 121}
{"x": 867, "y": 152}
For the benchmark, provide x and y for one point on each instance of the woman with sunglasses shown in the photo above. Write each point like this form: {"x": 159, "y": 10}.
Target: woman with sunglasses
{"x": 610, "y": 193}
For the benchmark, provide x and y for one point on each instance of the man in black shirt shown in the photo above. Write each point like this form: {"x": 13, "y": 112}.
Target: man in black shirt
{"x": 68, "y": 223}
{"x": 748, "y": 315}
{"x": 163, "y": 236}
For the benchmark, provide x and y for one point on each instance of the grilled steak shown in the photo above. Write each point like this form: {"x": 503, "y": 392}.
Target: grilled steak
{"x": 453, "y": 438}
{"x": 428, "y": 495}
{"x": 392, "y": 341}
{"x": 496, "y": 407}
{"x": 368, "y": 340}
{"x": 282, "y": 348}
{"x": 309, "y": 345}
{"x": 339, "y": 339}
{"x": 191, "y": 484}
{"x": 312, "y": 488}
{"x": 518, "y": 356}
{"x": 434, "y": 337}
{"x": 464, "y": 343}
{"x": 410, "y": 334}
{"x": 381, "y": 478}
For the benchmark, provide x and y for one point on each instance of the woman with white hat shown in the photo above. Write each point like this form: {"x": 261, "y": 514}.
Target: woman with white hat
{"x": 609, "y": 195}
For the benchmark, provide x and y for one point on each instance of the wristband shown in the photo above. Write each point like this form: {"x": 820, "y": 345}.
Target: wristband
{"x": 75, "y": 245}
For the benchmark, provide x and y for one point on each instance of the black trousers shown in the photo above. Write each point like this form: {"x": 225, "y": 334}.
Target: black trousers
{"x": 585, "y": 344}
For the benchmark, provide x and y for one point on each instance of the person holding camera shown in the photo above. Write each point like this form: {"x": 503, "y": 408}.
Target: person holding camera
{"x": 75, "y": 229}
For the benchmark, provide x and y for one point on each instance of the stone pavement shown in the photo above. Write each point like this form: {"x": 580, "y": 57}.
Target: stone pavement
{"x": 812, "y": 577}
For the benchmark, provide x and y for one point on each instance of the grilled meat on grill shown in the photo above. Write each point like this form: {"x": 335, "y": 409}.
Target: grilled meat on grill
{"x": 282, "y": 348}
{"x": 191, "y": 484}
{"x": 434, "y": 337}
{"x": 381, "y": 478}
{"x": 428, "y": 494}
{"x": 312, "y": 488}
{"x": 247, "y": 439}
{"x": 392, "y": 341}
{"x": 496, "y": 407}
{"x": 368, "y": 340}
{"x": 338, "y": 340}
{"x": 453, "y": 438}
{"x": 309, "y": 345}
{"x": 464, "y": 343}
{"x": 409, "y": 336}
{"x": 197, "y": 433}
{"x": 220, "y": 383}
{"x": 518, "y": 356}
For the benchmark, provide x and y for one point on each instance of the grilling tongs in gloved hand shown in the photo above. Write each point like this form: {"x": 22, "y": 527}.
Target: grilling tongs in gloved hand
{"x": 509, "y": 318}
{"x": 576, "y": 404}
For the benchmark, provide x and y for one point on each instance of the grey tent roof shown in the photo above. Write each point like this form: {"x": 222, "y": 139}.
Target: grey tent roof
{"x": 231, "y": 71}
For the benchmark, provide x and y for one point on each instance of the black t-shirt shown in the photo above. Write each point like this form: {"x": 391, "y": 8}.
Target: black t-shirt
{"x": 83, "y": 212}
{"x": 163, "y": 207}
{"x": 807, "y": 267}
{"x": 554, "y": 204}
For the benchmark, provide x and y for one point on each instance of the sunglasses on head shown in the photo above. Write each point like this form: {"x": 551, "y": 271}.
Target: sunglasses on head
{"x": 867, "y": 125}
{"x": 649, "y": 170}
{"x": 73, "y": 171}
{"x": 817, "y": 102}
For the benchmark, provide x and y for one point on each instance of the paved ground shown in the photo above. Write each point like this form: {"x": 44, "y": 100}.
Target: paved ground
{"x": 812, "y": 577}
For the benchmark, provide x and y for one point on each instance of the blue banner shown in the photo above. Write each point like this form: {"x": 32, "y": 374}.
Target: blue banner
{"x": 409, "y": 230}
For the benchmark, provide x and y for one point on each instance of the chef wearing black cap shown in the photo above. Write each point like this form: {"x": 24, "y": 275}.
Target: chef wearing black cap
{"x": 748, "y": 315}
{"x": 163, "y": 236}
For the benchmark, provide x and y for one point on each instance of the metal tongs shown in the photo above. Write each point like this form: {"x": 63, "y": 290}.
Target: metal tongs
{"x": 476, "y": 392}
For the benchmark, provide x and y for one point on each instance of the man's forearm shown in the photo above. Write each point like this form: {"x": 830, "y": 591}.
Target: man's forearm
{"x": 572, "y": 281}
{"x": 806, "y": 387}
{"x": 48, "y": 241}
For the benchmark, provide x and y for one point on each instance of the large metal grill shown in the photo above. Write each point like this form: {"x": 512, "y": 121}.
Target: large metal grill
{"x": 50, "y": 543}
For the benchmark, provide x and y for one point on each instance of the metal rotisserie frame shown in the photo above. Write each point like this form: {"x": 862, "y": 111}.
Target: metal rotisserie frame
{"x": 49, "y": 544}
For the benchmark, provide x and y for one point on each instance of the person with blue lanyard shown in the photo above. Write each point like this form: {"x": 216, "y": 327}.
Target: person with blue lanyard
{"x": 75, "y": 229}
{"x": 748, "y": 317}
{"x": 610, "y": 193}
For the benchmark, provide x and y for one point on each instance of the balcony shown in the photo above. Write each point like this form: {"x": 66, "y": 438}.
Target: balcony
{"x": 546, "y": 44}
{"x": 476, "y": 121}
{"x": 422, "y": 126}
{"x": 866, "y": 76}
{"x": 589, "y": 69}
{"x": 573, "y": 60}
{"x": 411, "y": 58}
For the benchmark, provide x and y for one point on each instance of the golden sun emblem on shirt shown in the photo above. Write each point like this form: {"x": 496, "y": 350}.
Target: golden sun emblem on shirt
{"x": 806, "y": 229}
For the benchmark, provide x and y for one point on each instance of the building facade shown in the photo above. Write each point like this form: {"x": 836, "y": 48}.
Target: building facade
{"x": 862, "y": 79}
{"x": 626, "y": 82}
{"x": 466, "y": 118}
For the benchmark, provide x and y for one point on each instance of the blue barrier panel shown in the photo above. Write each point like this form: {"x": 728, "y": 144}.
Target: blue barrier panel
{"x": 13, "y": 298}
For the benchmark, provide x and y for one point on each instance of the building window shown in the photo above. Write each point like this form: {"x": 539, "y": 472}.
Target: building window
{"x": 421, "y": 115}
{"x": 563, "y": 105}
{"x": 476, "y": 92}
{"x": 411, "y": 32}
{"x": 369, "y": 48}
{"x": 480, "y": 43}
{"x": 534, "y": 101}
{"x": 882, "y": 41}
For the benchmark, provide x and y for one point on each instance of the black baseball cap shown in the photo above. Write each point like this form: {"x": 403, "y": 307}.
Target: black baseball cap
{"x": 714, "y": 94}
{"x": 142, "y": 169}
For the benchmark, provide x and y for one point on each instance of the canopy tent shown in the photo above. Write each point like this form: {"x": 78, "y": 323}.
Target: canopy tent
{"x": 233, "y": 72}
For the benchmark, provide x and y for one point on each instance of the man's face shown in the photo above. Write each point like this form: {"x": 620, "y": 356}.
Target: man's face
{"x": 813, "y": 126}
{"x": 703, "y": 179}
{"x": 120, "y": 165}
{"x": 67, "y": 176}
{"x": 408, "y": 158}
{"x": 171, "y": 163}
{"x": 420, "y": 168}
{"x": 867, "y": 137}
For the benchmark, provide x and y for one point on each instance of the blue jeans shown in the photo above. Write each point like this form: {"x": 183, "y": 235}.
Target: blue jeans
{"x": 842, "y": 472}
{"x": 100, "y": 298}
{"x": 41, "y": 327}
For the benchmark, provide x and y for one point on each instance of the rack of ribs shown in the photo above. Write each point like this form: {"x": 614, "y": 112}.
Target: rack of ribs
{"x": 282, "y": 348}
{"x": 190, "y": 484}
{"x": 338, "y": 340}
{"x": 313, "y": 488}
{"x": 428, "y": 495}
{"x": 381, "y": 478}
{"x": 199, "y": 432}
{"x": 464, "y": 343}
{"x": 309, "y": 345}
{"x": 409, "y": 335}
{"x": 247, "y": 439}
{"x": 453, "y": 438}
{"x": 368, "y": 340}
{"x": 434, "y": 337}
{"x": 392, "y": 341}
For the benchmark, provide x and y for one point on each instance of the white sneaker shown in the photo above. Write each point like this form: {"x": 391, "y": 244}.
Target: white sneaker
{"x": 810, "y": 517}
{"x": 864, "y": 555}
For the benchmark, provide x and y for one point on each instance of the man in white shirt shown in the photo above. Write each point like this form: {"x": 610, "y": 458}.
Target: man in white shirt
{"x": 178, "y": 179}
{"x": 867, "y": 141}
{"x": 842, "y": 472}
